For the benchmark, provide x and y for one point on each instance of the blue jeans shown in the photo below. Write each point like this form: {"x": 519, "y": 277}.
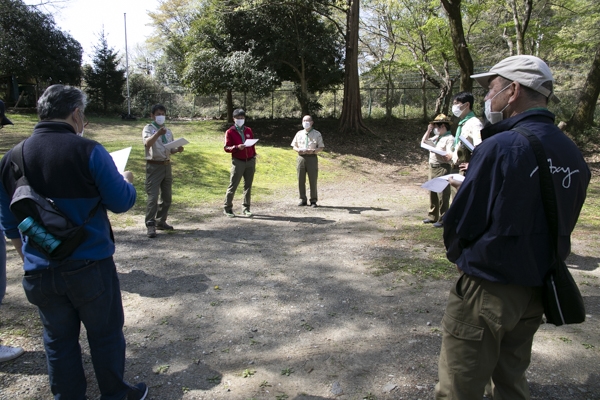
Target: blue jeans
{"x": 72, "y": 293}
{"x": 2, "y": 267}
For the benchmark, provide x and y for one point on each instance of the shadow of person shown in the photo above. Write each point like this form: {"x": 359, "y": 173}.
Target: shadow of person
{"x": 147, "y": 285}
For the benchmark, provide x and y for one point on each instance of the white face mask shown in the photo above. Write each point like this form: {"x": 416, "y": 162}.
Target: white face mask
{"x": 239, "y": 122}
{"x": 456, "y": 110}
{"x": 306, "y": 124}
{"x": 160, "y": 119}
{"x": 494, "y": 116}
{"x": 436, "y": 131}
{"x": 82, "y": 126}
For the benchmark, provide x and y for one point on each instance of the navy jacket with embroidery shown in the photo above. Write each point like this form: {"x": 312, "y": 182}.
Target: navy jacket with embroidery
{"x": 76, "y": 173}
{"x": 496, "y": 228}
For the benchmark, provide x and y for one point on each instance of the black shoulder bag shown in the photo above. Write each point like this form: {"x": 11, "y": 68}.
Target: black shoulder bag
{"x": 26, "y": 202}
{"x": 563, "y": 303}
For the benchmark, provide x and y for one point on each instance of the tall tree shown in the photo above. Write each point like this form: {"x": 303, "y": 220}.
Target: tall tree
{"x": 351, "y": 120}
{"x": 104, "y": 79}
{"x": 583, "y": 116}
{"x": 461, "y": 48}
{"x": 33, "y": 48}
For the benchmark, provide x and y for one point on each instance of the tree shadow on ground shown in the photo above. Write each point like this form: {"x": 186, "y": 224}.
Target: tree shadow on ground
{"x": 148, "y": 285}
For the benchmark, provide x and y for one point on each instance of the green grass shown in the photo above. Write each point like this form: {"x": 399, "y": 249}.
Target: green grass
{"x": 201, "y": 172}
{"x": 434, "y": 267}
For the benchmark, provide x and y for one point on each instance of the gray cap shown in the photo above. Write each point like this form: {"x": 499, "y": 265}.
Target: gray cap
{"x": 529, "y": 71}
{"x": 3, "y": 119}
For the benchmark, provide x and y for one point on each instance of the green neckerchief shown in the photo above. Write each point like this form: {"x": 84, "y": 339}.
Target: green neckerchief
{"x": 467, "y": 117}
{"x": 163, "y": 138}
{"x": 240, "y": 130}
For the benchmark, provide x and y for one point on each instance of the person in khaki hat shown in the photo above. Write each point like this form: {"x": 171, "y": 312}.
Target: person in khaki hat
{"x": 438, "y": 166}
{"x": 497, "y": 234}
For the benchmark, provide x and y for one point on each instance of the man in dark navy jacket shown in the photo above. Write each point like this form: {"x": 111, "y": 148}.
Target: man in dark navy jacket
{"x": 78, "y": 174}
{"x": 496, "y": 233}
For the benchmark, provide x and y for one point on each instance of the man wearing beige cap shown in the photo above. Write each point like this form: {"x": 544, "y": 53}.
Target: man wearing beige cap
{"x": 496, "y": 233}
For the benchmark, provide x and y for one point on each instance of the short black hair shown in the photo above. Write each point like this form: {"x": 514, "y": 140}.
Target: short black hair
{"x": 157, "y": 107}
{"x": 447, "y": 125}
{"x": 464, "y": 97}
{"x": 239, "y": 113}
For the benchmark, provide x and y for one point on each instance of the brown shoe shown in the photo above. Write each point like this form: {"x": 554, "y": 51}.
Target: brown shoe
{"x": 163, "y": 226}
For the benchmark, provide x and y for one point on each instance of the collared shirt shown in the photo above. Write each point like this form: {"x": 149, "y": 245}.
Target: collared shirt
{"x": 158, "y": 151}
{"x": 470, "y": 128}
{"x": 311, "y": 140}
{"x": 445, "y": 143}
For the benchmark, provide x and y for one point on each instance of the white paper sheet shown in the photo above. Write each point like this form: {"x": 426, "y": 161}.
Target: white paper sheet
{"x": 439, "y": 184}
{"x": 431, "y": 148}
{"x": 250, "y": 142}
{"x": 466, "y": 142}
{"x": 120, "y": 158}
{"x": 176, "y": 143}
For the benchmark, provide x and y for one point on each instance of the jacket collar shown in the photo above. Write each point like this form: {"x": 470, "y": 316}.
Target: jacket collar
{"x": 535, "y": 114}
{"x": 53, "y": 127}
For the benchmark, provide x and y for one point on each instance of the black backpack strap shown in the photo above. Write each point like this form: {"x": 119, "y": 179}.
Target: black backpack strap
{"x": 547, "y": 187}
{"x": 16, "y": 161}
{"x": 18, "y": 168}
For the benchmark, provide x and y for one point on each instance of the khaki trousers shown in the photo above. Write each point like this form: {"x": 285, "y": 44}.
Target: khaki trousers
{"x": 308, "y": 164}
{"x": 488, "y": 333}
{"x": 240, "y": 169}
{"x": 159, "y": 181}
{"x": 438, "y": 202}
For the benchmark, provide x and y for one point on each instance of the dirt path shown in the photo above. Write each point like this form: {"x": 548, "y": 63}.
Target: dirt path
{"x": 289, "y": 300}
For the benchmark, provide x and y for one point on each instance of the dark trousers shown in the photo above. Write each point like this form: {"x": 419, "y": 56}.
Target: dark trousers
{"x": 78, "y": 292}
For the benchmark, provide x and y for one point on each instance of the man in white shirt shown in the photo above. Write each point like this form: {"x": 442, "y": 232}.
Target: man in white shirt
{"x": 308, "y": 142}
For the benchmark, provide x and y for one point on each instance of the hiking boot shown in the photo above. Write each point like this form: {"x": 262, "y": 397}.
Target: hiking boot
{"x": 138, "y": 392}
{"x": 302, "y": 203}
{"x": 229, "y": 213}
{"x": 151, "y": 229}
{"x": 247, "y": 212}
{"x": 163, "y": 226}
{"x": 438, "y": 225}
{"x": 8, "y": 353}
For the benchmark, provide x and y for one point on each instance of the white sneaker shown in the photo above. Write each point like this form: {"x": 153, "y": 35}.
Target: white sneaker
{"x": 10, "y": 353}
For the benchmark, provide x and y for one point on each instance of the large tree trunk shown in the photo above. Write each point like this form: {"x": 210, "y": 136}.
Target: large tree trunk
{"x": 229, "y": 106}
{"x": 583, "y": 116}
{"x": 351, "y": 121}
{"x": 461, "y": 50}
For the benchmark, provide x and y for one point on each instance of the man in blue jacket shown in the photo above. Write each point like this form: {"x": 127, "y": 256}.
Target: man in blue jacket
{"x": 496, "y": 233}
{"x": 78, "y": 174}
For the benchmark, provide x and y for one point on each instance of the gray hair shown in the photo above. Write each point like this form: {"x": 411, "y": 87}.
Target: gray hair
{"x": 59, "y": 101}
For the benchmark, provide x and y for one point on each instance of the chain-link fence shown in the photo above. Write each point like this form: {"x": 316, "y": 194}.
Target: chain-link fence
{"x": 282, "y": 103}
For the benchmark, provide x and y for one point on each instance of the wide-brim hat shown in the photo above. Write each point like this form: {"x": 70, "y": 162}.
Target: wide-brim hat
{"x": 529, "y": 71}
{"x": 3, "y": 119}
{"x": 441, "y": 119}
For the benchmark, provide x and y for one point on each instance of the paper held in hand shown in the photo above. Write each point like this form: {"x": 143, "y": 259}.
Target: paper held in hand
{"x": 250, "y": 142}
{"x": 439, "y": 184}
{"x": 431, "y": 148}
{"x": 466, "y": 142}
{"x": 176, "y": 143}
{"x": 120, "y": 158}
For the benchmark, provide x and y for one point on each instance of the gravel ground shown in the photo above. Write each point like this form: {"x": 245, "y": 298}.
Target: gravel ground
{"x": 286, "y": 305}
